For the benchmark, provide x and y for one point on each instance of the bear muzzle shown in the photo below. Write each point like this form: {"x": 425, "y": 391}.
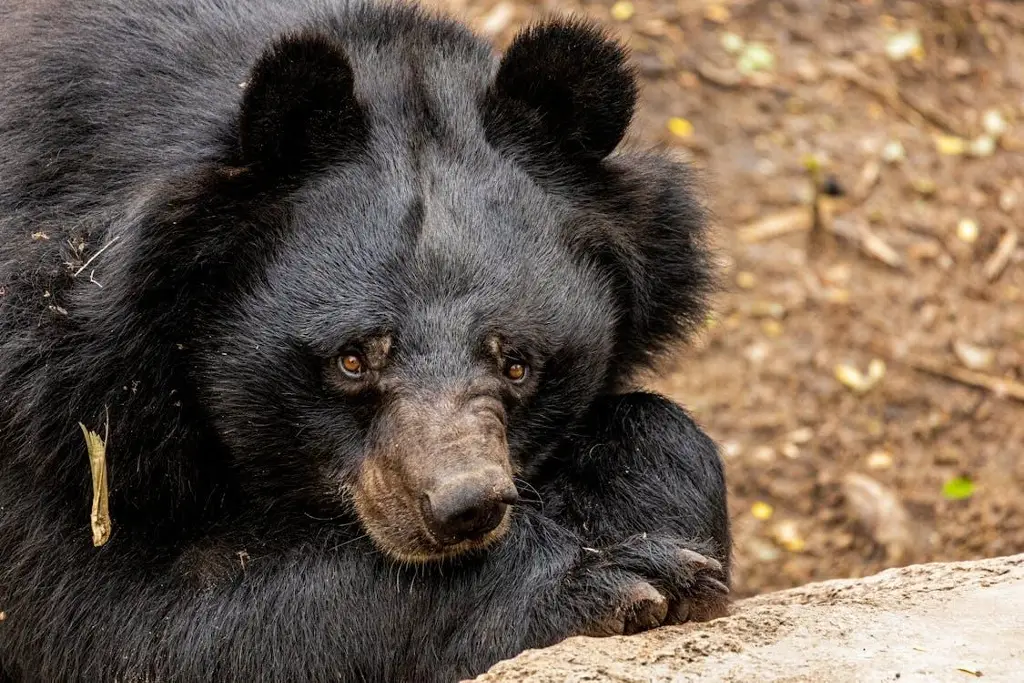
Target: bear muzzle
{"x": 438, "y": 479}
{"x": 468, "y": 506}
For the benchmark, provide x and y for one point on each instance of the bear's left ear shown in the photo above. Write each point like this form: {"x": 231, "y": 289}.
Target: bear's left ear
{"x": 562, "y": 85}
{"x": 299, "y": 106}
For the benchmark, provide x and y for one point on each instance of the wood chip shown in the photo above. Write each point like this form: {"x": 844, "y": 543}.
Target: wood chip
{"x": 788, "y": 222}
{"x": 996, "y": 263}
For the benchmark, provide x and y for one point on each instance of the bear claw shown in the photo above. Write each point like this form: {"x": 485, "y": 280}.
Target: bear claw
{"x": 692, "y": 557}
{"x": 646, "y": 609}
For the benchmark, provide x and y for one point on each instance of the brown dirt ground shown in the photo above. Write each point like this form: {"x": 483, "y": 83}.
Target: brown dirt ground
{"x": 762, "y": 377}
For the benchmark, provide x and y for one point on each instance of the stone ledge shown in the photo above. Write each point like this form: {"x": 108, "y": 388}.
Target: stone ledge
{"x": 932, "y": 622}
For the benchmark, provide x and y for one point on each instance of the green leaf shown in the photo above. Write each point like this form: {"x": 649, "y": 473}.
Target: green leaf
{"x": 958, "y": 488}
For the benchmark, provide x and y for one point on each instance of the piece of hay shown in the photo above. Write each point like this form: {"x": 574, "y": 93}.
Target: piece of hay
{"x": 100, "y": 517}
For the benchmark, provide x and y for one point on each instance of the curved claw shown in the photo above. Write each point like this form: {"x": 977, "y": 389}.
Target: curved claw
{"x": 692, "y": 557}
{"x": 716, "y": 586}
{"x": 646, "y": 609}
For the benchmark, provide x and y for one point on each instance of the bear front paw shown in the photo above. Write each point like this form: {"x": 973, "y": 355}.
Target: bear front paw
{"x": 644, "y": 582}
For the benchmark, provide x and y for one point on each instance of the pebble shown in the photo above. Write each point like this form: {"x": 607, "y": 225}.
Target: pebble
{"x": 967, "y": 230}
{"x": 879, "y": 460}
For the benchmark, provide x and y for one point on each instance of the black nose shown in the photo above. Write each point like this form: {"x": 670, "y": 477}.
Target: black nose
{"x": 467, "y": 507}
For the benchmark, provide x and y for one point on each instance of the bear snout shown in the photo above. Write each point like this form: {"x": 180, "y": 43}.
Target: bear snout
{"x": 438, "y": 482}
{"x": 468, "y": 505}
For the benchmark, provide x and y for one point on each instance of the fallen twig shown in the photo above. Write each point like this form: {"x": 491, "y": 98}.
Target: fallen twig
{"x": 997, "y": 385}
{"x": 802, "y": 218}
{"x": 903, "y": 103}
{"x": 787, "y": 222}
{"x": 996, "y": 263}
{"x": 820, "y": 238}
{"x": 871, "y": 244}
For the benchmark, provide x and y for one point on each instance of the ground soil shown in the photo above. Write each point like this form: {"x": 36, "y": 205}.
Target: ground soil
{"x": 826, "y": 482}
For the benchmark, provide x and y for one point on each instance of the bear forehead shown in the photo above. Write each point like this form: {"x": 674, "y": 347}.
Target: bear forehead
{"x": 389, "y": 238}
{"x": 416, "y": 203}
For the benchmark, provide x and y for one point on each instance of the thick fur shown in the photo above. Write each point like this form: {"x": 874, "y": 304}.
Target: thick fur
{"x": 202, "y": 202}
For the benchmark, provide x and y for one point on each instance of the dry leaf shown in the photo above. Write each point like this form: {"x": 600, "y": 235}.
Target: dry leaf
{"x": 857, "y": 381}
{"x": 994, "y": 123}
{"x": 967, "y": 230}
{"x": 903, "y": 45}
{"x": 788, "y": 536}
{"x": 950, "y": 145}
{"x": 879, "y": 460}
{"x": 761, "y": 510}
{"x": 893, "y": 152}
{"x": 983, "y": 146}
{"x": 973, "y": 357}
{"x": 623, "y": 11}
{"x": 680, "y": 127}
{"x": 745, "y": 279}
{"x": 100, "y": 517}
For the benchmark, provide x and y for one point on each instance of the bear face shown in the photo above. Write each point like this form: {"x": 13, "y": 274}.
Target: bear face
{"x": 440, "y": 330}
{"x": 426, "y": 327}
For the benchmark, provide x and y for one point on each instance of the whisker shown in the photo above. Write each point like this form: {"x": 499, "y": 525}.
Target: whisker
{"x": 530, "y": 487}
{"x": 349, "y": 542}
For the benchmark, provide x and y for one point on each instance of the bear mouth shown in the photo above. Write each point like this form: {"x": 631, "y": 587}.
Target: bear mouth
{"x": 415, "y": 544}
{"x": 431, "y": 549}
{"x": 398, "y": 528}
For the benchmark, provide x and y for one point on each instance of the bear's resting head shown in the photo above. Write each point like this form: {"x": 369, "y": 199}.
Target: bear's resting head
{"x": 417, "y": 265}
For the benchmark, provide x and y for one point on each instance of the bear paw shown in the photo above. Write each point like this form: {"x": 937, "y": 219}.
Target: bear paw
{"x": 645, "y": 582}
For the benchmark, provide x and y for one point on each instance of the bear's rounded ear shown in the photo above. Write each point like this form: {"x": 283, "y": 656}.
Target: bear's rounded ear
{"x": 299, "y": 106}
{"x": 565, "y": 85}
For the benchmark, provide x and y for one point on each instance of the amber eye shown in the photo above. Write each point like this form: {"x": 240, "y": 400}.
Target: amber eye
{"x": 351, "y": 365}
{"x": 516, "y": 371}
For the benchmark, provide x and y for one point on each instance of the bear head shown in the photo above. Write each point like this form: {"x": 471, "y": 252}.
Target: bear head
{"x": 417, "y": 265}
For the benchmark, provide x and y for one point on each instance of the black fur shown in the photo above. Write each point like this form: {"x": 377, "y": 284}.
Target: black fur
{"x": 204, "y": 201}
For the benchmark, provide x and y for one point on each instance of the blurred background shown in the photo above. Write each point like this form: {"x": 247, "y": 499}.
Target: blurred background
{"x": 864, "y": 368}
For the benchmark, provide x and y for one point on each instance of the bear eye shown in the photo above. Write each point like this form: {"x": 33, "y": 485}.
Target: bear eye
{"x": 351, "y": 365}
{"x": 516, "y": 371}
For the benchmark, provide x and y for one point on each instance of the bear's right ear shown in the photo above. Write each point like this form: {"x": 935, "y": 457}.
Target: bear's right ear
{"x": 299, "y": 106}
{"x": 562, "y": 86}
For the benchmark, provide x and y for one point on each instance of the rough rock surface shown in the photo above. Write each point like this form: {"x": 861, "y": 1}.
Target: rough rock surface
{"x": 931, "y": 622}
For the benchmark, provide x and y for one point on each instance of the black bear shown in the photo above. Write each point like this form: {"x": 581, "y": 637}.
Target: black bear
{"x": 356, "y": 304}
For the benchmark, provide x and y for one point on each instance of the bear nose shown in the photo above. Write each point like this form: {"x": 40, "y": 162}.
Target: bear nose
{"x": 468, "y": 506}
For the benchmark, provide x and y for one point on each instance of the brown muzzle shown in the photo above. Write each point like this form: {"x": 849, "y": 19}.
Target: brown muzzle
{"x": 438, "y": 480}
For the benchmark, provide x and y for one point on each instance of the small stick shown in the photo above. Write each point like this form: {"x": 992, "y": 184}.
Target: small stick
{"x": 996, "y": 263}
{"x": 802, "y": 218}
{"x": 817, "y": 239}
{"x": 997, "y": 385}
{"x": 789, "y": 221}
{"x": 93, "y": 257}
{"x": 891, "y": 95}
